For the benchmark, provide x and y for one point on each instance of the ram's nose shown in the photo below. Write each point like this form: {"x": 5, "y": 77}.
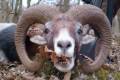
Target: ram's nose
{"x": 64, "y": 45}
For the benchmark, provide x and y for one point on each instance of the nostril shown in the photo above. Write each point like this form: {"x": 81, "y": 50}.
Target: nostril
{"x": 59, "y": 45}
{"x": 68, "y": 45}
{"x": 65, "y": 44}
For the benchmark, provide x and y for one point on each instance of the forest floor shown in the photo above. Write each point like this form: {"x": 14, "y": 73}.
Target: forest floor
{"x": 15, "y": 71}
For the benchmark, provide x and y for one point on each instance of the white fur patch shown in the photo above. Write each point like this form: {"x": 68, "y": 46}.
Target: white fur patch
{"x": 64, "y": 36}
{"x": 68, "y": 66}
{"x": 6, "y": 25}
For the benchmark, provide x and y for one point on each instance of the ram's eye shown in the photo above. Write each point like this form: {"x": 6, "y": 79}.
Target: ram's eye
{"x": 79, "y": 31}
{"x": 46, "y": 31}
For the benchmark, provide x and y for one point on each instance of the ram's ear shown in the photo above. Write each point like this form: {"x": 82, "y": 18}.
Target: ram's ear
{"x": 37, "y": 39}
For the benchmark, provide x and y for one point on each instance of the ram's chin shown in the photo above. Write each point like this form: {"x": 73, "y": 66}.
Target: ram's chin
{"x": 65, "y": 67}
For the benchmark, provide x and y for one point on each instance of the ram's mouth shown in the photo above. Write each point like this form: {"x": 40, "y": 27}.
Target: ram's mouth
{"x": 62, "y": 63}
{"x": 63, "y": 60}
{"x": 65, "y": 64}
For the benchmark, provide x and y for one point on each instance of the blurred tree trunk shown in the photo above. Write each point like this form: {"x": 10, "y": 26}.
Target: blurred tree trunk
{"x": 4, "y": 10}
{"x": 64, "y": 5}
{"x": 38, "y": 2}
{"x": 17, "y": 10}
{"x": 115, "y": 25}
{"x": 119, "y": 19}
{"x": 28, "y": 3}
{"x": 10, "y": 10}
{"x": 104, "y": 6}
{"x": 12, "y": 2}
{"x": 78, "y": 2}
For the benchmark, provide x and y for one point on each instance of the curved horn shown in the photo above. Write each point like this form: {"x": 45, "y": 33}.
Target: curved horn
{"x": 35, "y": 14}
{"x": 88, "y": 14}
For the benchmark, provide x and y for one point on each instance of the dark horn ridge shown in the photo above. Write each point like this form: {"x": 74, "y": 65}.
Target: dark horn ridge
{"x": 35, "y": 14}
{"x": 89, "y": 14}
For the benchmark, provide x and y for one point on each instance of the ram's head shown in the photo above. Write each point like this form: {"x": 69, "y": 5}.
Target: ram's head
{"x": 63, "y": 34}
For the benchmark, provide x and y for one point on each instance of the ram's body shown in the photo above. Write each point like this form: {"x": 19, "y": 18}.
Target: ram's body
{"x": 89, "y": 49}
{"x": 7, "y": 46}
{"x": 7, "y": 43}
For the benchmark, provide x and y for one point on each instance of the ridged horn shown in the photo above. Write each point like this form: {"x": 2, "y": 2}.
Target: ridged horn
{"x": 88, "y": 14}
{"x": 35, "y": 14}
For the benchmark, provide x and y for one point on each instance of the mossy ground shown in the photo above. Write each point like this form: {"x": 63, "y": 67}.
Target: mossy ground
{"x": 17, "y": 72}
{"x": 101, "y": 74}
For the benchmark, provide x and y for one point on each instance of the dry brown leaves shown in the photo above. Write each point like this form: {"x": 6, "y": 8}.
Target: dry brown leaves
{"x": 51, "y": 54}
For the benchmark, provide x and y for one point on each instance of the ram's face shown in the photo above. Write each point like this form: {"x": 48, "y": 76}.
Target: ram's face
{"x": 65, "y": 37}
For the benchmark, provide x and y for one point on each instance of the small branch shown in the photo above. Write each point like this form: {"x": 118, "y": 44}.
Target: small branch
{"x": 67, "y": 76}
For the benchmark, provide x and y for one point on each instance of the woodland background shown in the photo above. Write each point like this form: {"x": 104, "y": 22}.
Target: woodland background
{"x": 10, "y": 10}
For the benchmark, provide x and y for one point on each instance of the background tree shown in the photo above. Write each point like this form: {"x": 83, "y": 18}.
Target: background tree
{"x": 10, "y": 10}
{"x": 64, "y": 5}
